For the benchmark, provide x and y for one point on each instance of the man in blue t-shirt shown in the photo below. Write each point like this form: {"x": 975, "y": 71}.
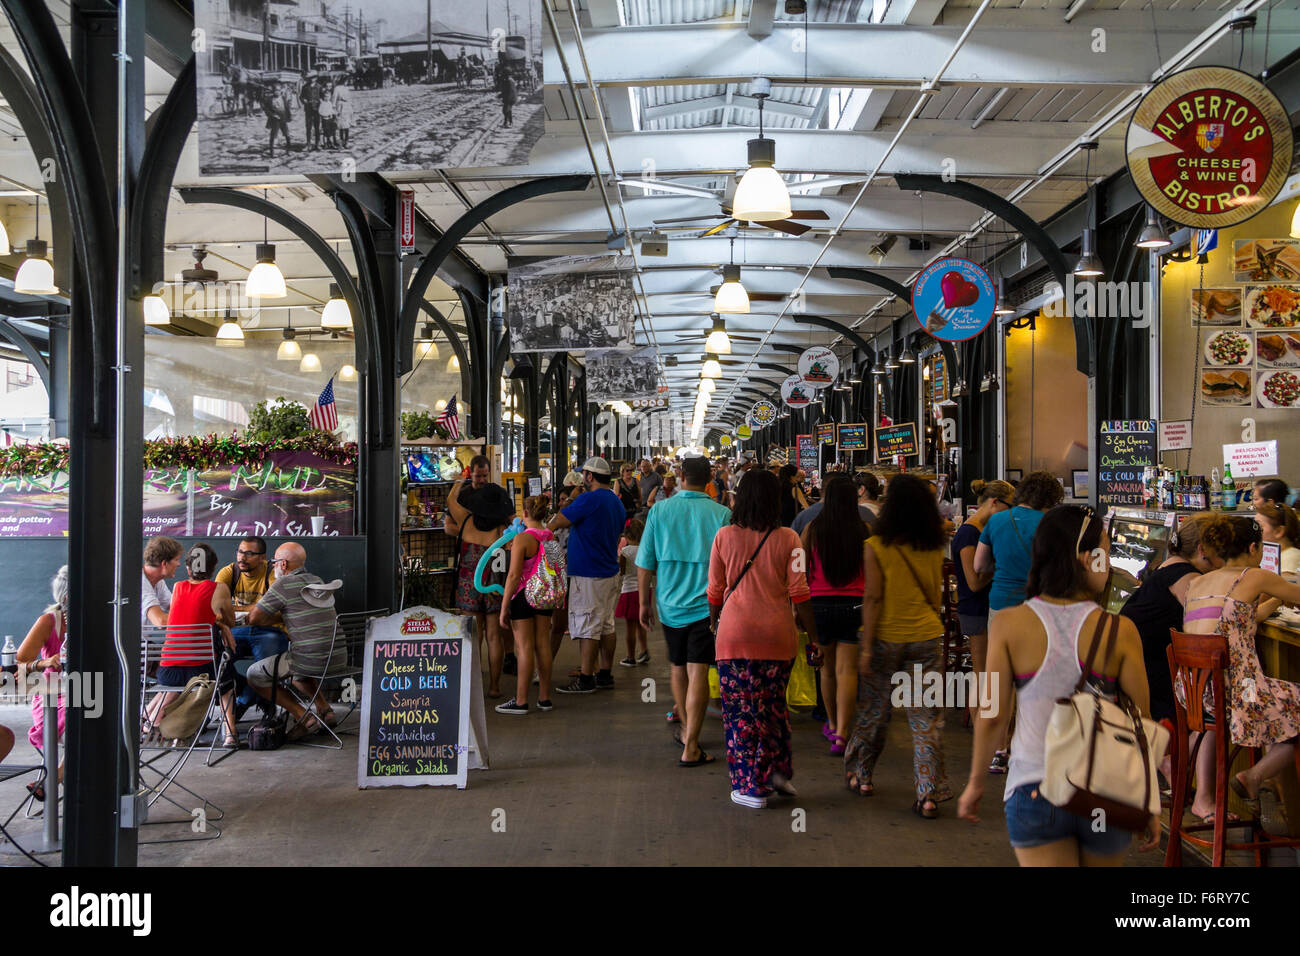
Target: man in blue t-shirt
{"x": 674, "y": 554}
{"x": 596, "y": 518}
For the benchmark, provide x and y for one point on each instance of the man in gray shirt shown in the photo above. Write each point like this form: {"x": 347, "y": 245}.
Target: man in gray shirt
{"x": 649, "y": 480}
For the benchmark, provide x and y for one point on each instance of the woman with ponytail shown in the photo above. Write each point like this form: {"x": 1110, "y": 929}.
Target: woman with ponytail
{"x": 1262, "y": 711}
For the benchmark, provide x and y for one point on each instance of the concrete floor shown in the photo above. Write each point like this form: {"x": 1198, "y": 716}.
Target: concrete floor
{"x": 594, "y": 782}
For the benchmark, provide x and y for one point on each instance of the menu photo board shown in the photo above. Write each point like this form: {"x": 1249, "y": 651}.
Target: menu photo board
{"x": 1124, "y": 450}
{"x": 422, "y": 714}
{"x": 826, "y": 433}
{"x": 853, "y": 437}
{"x": 809, "y": 454}
{"x": 899, "y": 439}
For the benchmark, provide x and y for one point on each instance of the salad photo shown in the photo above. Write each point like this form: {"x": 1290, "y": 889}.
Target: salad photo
{"x": 1278, "y": 390}
{"x": 1272, "y": 306}
{"x": 1229, "y": 348}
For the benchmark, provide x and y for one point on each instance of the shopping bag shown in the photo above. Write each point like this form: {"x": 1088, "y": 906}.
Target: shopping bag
{"x": 715, "y": 685}
{"x": 802, "y": 689}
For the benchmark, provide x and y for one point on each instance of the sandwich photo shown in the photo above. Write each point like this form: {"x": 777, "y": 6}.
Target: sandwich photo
{"x": 1226, "y": 387}
{"x": 1270, "y": 348}
{"x": 1293, "y": 345}
{"x": 1216, "y": 306}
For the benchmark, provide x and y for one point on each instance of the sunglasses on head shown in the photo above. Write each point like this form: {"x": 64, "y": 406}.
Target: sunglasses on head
{"x": 1088, "y": 515}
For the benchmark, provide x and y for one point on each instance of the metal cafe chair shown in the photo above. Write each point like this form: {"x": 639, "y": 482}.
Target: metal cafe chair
{"x": 163, "y": 760}
{"x": 1198, "y": 661}
{"x": 350, "y": 636}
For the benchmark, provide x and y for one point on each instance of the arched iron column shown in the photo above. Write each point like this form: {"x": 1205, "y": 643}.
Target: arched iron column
{"x": 169, "y": 128}
{"x": 30, "y": 352}
{"x": 452, "y": 237}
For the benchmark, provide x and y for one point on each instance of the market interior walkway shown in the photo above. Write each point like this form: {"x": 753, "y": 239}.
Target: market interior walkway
{"x": 594, "y": 782}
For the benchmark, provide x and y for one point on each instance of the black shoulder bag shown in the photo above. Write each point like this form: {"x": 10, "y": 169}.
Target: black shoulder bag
{"x": 269, "y": 732}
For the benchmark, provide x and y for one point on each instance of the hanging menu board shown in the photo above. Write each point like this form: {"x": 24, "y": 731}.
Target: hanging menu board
{"x": 853, "y": 437}
{"x": 415, "y": 701}
{"x": 826, "y": 433}
{"x": 1124, "y": 450}
{"x": 894, "y": 440}
{"x": 809, "y": 455}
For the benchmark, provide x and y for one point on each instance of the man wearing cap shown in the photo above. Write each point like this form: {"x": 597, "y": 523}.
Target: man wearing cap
{"x": 478, "y": 516}
{"x": 674, "y": 558}
{"x": 305, "y": 604}
{"x": 596, "y": 518}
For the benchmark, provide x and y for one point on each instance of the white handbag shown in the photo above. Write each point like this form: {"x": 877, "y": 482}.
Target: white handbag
{"x": 1102, "y": 756}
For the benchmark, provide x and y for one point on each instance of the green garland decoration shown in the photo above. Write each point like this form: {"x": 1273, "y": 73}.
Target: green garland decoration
{"x": 200, "y": 452}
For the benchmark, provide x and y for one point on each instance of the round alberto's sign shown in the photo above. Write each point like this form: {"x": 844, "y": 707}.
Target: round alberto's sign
{"x": 795, "y": 392}
{"x": 762, "y": 414}
{"x": 819, "y": 366}
{"x": 724, "y": 441}
{"x": 953, "y": 299}
{"x": 743, "y": 431}
{"x": 1209, "y": 147}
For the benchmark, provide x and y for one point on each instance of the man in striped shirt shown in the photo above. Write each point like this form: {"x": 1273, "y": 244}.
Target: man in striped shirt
{"x": 306, "y": 606}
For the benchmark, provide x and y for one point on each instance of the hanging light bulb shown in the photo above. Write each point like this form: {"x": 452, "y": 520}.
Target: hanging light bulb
{"x": 453, "y": 364}
{"x": 718, "y": 342}
{"x": 336, "y": 314}
{"x": 156, "y": 311}
{"x": 348, "y": 373}
{"x": 731, "y": 296}
{"x": 310, "y": 363}
{"x": 230, "y": 335}
{"x": 1153, "y": 234}
{"x": 36, "y": 276}
{"x": 908, "y": 357}
{"x": 762, "y": 195}
{"x": 710, "y": 368}
{"x": 289, "y": 350}
{"x": 265, "y": 281}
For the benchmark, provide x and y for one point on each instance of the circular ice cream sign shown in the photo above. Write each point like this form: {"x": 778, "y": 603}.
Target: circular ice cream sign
{"x": 819, "y": 366}
{"x": 953, "y": 299}
{"x": 795, "y": 392}
{"x": 762, "y": 414}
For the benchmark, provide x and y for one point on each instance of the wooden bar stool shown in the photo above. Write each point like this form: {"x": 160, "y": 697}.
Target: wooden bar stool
{"x": 1197, "y": 661}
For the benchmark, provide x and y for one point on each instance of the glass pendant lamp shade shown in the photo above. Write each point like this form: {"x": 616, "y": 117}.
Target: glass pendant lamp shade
{"x": 265, "y": 281}
{"x": 427, "y": 347}
{"x": 761, "y": 195}
{"x": 731, "y": 296}
{"x": 289, "y": 350}
{"x": 710, "y": 368}
{"x": 718, "y": 342}
{"x": 230, "y": 335}
{"x": 36, "y": 276}
{"x": 336, "y": 315}
{"x": 4, "y": 240}
{"x": 348, "y": 373}
{"x": 453, "y": 364}
{"x": 156, "y": 311}
{"x": 708, "y": 385}
{"x": 310, "y": 363}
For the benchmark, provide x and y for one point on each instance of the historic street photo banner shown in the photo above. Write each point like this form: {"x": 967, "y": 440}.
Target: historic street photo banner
{"x": 571, "y": 304}
{"x": 621, "y": 376}
{"x": 347, "y": 86}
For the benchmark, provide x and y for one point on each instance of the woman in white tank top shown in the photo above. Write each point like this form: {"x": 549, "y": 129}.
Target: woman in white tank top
{"x": 1035, "y": 656}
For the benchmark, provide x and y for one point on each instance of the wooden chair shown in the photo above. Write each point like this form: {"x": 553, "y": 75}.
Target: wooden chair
{"x": 1197, "y": 661}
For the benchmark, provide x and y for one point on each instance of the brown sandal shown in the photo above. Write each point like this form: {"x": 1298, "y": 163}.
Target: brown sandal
{"x": 858, "y": 787}
{"x": 920, "y": 810}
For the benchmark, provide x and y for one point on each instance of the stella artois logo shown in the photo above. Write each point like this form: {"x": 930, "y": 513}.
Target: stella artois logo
{"x": 1209, "y": 136}
{"x": 418, "y": 623}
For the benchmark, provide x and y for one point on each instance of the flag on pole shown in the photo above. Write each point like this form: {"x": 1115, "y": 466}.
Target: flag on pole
{"x": 325, "y": 415}
{"x": 450, "y": 419}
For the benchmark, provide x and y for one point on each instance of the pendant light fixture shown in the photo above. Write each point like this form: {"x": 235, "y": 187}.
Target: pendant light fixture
{"x": 708, "y": 385}
{"x": 891, "y": 363}
{"x": 718, "y": 342}
{"x": 427, "y": 347}
{"x": 230, "y": 335}
{"x": 878, "y": 370}
{"x": 5, "y": 248}
{"x": 348, "y": 373}
{"x": 1153, "y": 234}
{"x": 1295, "y": 223}
{"x": 265, "y": 281}
{"x": 155, "y": 310}
{"x": 289, "y": 350}
{"x": 453, "y": 364}
{"x": 731, "y": 296}
{"x": 336, "y": 314}
{"x": 711, "y": 368}
{"x": 908, "y": 357}
{"x": 1089, "y": 265}
{"x": 310, "y": 362}
{"x": 36, "y": 276}
{"x": 855, "y": 377}
{"x": 1001, "y": 308}
{"x": 762, "y": 195}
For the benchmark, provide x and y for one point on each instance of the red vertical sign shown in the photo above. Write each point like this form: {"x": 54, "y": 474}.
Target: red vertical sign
{"x": 406, "y": 219}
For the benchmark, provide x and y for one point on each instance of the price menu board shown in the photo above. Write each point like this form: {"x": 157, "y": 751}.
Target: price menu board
{"x": 415, "y": 703}
{"x": 853, "y": 437}
{"x": 809, "y": 455}
{"x": 1124, "y": 449}
{"x": 826, "y": 433}
{"x": 899, "y": 439}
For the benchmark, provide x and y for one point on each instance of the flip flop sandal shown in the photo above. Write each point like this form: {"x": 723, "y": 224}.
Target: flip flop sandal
{"x": 1229, "y": 818}
{"x": 1239, "y": 788}
{"x": 855, "y": 786}
{"x": 698, "y": 762}
{"x": 837, "y": 745}
{"x": 37, "y": 790}
{"x": 920, "y": 810}
{"x": 673, "y": 717}
{"x": 827, "y": 732}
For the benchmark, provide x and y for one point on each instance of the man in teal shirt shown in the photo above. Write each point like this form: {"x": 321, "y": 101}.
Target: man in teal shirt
{"x": 674, "y": 559}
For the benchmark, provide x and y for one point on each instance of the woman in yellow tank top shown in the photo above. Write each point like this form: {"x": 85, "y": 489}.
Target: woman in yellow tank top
{"x": 901, "y": 629}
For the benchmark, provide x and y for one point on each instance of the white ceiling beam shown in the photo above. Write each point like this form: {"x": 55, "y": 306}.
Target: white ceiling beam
{"x": 762, "y": 17}
{"x": 799, "y": 110}
{"x": 605, "y": 13}
{"x": 1046, "y": 52}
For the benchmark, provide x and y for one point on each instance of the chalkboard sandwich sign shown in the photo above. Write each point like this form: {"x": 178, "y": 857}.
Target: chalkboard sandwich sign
{"x": 1124, "y": 449}
{"x": 415, "y": 705}
{"x": 899, "y": 439}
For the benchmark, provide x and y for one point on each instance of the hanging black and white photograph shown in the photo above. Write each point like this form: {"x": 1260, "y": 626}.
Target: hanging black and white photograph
{"x": 332, "y": 86}
{"x": 571, "y": 303}
{"x": 621, "y": 376}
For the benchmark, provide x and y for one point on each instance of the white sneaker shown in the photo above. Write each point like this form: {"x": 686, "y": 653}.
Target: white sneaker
{"x": 745, "y": 800}
{"x": 782, "y": 785}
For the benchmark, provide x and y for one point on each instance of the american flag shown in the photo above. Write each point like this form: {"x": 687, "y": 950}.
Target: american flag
{"x": 450, "y": 419}
{"x": 325, "y": 414}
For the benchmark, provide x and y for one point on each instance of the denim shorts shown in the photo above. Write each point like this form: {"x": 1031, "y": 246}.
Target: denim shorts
{"x": 838, "y": 619}
{"x": 1032, "y": 821}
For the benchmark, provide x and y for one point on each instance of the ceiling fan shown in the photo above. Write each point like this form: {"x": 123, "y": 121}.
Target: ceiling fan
{"x": 704, "y": 334}
{"x": 781, "y": 225}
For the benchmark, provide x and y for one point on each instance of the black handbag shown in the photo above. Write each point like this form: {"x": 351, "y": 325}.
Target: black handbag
{"x": 269, "y": 733}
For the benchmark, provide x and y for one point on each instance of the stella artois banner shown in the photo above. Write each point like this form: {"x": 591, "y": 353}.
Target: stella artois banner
{"x": 1209, "y": 147}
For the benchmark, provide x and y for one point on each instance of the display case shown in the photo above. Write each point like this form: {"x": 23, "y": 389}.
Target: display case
{"x": 428, "y": 553}
{"x": 1139, "y": 541}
